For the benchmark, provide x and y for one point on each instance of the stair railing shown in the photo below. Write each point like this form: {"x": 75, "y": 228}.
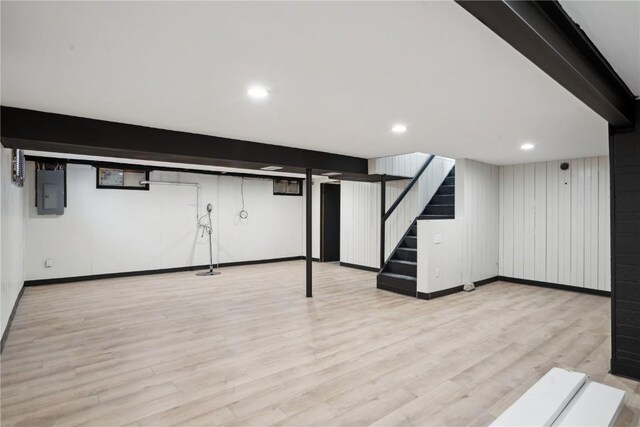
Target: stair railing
{"x": 385, "y": 214}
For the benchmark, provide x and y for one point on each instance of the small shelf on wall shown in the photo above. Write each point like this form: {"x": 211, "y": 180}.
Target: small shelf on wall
{"x": 121, "y": 178}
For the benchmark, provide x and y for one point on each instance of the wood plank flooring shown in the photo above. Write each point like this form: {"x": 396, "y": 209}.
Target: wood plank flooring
{"x": 247, "y": 348}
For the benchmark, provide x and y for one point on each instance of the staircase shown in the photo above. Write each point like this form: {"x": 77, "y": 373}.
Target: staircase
{"x": 399, "y": 274}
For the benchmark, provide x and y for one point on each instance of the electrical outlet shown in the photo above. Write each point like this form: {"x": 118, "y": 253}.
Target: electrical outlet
{"x": 437, "y": 239}
{"x": 48, "y": 263}
{"x": 437, "y": 273}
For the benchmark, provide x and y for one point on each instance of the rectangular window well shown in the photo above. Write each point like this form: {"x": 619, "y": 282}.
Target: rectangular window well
{"x": 122, "y": 179}
{"x": 287, "y": 187}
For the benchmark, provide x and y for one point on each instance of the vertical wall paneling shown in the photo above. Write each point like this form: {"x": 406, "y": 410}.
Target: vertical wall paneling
{"x": 588, "y": 230}
{"x": 594, "y": 226}
{"x": 561, "y": 219}
{"x": 359, "y": 223}
{"x": 360, "y": 205}
{"x": 577, "y": 223}
{"x": 553, "y": 222}
{"x": 529, "y": 221}
{"x": 564, "y": 226}
{"x": 518, "y": 220}
{"x": 507, "y": 185}
{"x": 401, "y": 165}
{"x": 470, "y": 244}
{"x": 478, "y": 191}
{"x": 540, "y": 222}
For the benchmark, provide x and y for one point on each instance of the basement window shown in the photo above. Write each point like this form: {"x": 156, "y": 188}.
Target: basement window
{"x": 121, "y": 179}
{"x": 287, "y": 187}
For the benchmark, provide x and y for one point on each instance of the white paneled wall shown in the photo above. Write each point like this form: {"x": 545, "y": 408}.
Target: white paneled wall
{"x": 554, "y": 224}
{"x": 415, "y": 201}
{"x": 360, "y": 223}
{"x": 109, "y": 231}
{"x": 360, "y": 206}
{"x": 478, "y": 205}
{"x": 316, "y": 200}
{"x": 467, "y": 248}
{"x": 400, "y": 165}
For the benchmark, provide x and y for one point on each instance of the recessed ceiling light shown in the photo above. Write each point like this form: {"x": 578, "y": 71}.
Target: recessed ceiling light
{"x": 271, "y": 168}
{"x": 399, "y": 128}
{"x": 527, "y": 146}
{"x": 257, "y": 92}
{"x": 331, "y": 173}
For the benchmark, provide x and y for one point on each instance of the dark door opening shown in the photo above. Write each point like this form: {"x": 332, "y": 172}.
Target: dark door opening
{"x": 329, "y": 222}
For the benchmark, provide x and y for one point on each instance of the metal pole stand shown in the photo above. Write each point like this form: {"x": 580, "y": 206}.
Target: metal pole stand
{"x": 209, "y": 230}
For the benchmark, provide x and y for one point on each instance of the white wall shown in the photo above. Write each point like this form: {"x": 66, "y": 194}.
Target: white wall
{"x": 315, "y": 216}
{"x": 554, "y": 224}
{"x": 360, "y": 206}
{"x": 108, "y": 231}
{"x": 360, "y": 223}
{"x": 468, "y": 251}
{"x": 11, "y": 238}
{"x": 415, "y": 201}
{"x": 439, "y": 249}
{"x": 478, "y": 205}
{"x": 401, "y": 165}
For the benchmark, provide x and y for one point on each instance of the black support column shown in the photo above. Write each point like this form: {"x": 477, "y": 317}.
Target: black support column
{"x": 624, "y": 154}
{"x": 383, "y": 211}
{"x": 309, "y": 212}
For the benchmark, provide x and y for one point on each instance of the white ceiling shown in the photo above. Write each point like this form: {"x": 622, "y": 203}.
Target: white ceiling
{"x": 614, "y": 27}
{"x": 340, "y": 75}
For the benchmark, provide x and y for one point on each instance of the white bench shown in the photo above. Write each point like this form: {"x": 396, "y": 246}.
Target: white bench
{"x": 595, "y": 405}
{"x": 564, "y": 398}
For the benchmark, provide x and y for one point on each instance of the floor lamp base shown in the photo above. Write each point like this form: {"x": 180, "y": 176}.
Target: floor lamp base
{"x": 208, "y": 273}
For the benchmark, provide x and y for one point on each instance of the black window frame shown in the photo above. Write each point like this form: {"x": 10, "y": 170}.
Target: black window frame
{"x": 124, "y": 168}
{"x": 278, "y": 193}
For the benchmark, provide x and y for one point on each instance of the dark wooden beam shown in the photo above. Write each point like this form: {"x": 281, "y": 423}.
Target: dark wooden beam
{"x": 35, "y": 130}
{"x": 309, "y": 228}
{"x": 548, "y": 37}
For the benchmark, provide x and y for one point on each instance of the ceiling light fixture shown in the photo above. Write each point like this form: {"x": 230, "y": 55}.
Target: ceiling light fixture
{"x": 527, "y": 146}
{"x": 257, "y": 92}
{"x": 399, "y": 128}
{"x": 331, "y": 173}
{"x": 271, "y": 168}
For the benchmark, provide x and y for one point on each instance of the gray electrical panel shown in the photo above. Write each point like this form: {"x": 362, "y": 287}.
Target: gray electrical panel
{"x": 50, "y": 192}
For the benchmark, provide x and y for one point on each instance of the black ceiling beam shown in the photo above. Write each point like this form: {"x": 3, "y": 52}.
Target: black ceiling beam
{"x": 36, "y": 130}
{"x": 548, "y": 37}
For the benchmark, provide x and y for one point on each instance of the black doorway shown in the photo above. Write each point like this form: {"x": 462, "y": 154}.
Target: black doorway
{"x": 329, "y": 222}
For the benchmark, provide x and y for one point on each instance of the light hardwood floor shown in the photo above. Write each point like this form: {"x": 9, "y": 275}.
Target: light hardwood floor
{"x": 247, "y": 348}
